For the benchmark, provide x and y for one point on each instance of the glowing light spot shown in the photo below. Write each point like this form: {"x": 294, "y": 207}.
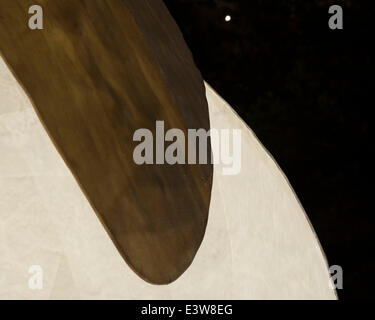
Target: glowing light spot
{"x": 228, "y": 18}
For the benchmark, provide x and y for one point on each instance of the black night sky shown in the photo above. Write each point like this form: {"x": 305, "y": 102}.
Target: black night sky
{"x": 306, "y": 91}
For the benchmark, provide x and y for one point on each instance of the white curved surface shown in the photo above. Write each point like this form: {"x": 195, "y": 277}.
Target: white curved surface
{"x": 258, "y": 244}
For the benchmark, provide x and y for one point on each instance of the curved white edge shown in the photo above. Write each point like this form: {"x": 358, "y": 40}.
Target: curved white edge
{"x": 258, "y": 245}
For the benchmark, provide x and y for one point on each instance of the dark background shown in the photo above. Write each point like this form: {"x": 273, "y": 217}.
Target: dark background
{"x": 306, "y": 91}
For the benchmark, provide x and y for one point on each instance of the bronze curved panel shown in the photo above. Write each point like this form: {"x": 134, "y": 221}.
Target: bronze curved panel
{"x": 97, "y": 72}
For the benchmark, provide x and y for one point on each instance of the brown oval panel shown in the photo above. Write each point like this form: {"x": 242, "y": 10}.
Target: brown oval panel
{"x": 96, "y": 73}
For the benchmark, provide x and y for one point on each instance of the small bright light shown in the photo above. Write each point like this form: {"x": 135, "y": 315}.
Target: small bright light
{"x": 228, "y": 18}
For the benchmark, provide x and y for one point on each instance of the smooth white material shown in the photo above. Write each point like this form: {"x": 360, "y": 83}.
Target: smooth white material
{"x": 258, "y": 244}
